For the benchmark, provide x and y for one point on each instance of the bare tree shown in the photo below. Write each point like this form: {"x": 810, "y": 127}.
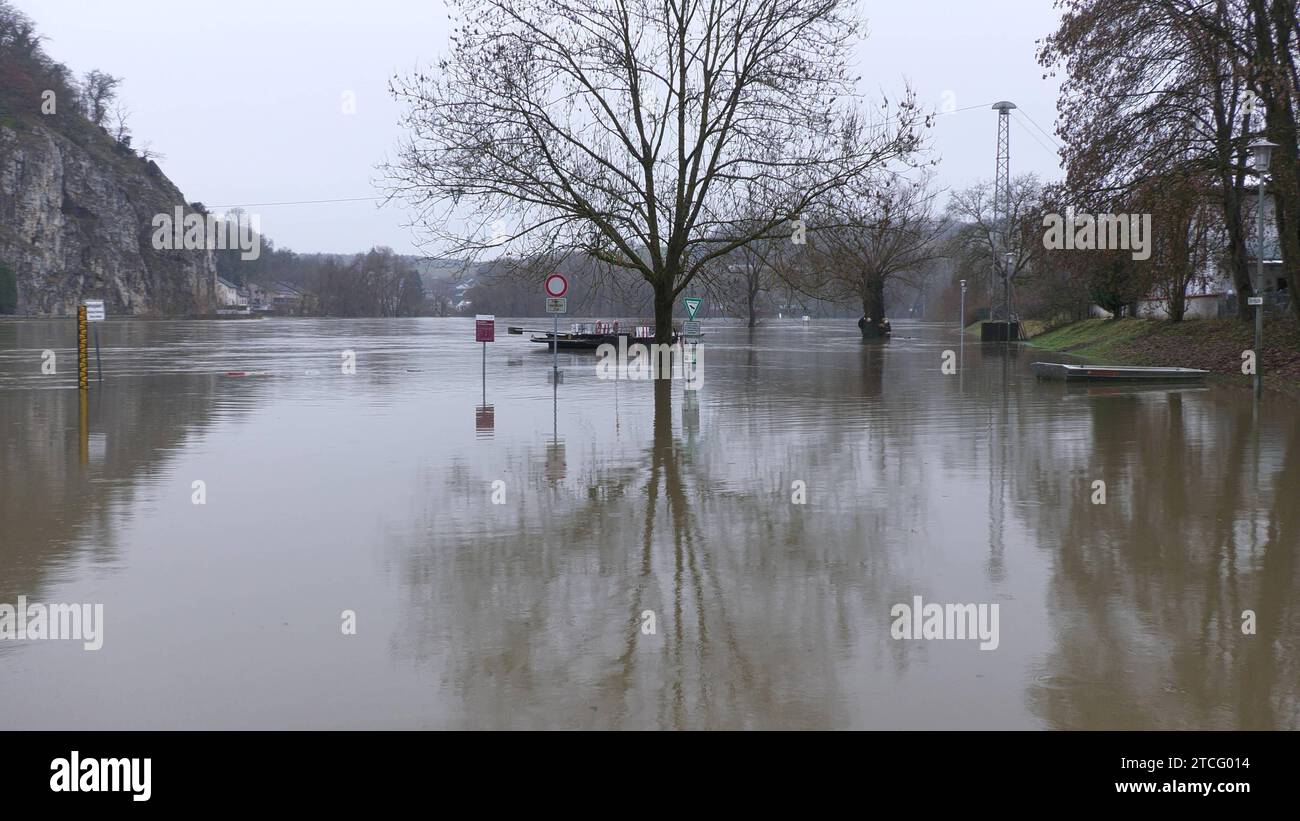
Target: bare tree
{"x": 146, "y": 152}
{"x": 753, "y": 273}
{"x": 98, "y": 91}
{"x": 641, "y": 134}
{"x": 979, "y": 246}
{"x": 121, "y": 128}
{"x": 1271, "y": 51}
{"x": 743, "y": 279}
{"x": 1156, "y": 87}
{"x": 1181, "y": 252}
{"x": 890, "y": 235}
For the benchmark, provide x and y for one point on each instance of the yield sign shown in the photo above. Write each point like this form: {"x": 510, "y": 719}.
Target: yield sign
{"x": 692, "y": 305}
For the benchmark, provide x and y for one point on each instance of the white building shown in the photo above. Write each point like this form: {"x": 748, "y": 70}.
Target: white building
{"x": 1213, "y": 293}
{"x": 228, "y": 295}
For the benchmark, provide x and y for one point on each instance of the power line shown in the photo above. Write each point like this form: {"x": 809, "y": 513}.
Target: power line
{"x": 967, "y": 108}
{"x": 298, "y": 202}
{"x": 1040, "y": 128}
{"x": 1034, "y": 137}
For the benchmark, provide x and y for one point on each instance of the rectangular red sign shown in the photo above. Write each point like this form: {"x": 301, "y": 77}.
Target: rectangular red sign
{"x": 485, "y": 328}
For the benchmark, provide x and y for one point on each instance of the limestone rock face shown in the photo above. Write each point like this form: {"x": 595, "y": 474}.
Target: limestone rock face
{"x": 76, "y": 214}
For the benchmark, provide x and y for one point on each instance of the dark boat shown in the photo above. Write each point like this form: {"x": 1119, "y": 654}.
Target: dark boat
{"x": 589, "y": 336}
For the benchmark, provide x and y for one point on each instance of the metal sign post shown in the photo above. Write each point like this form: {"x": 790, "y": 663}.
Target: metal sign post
{"x": 556, "y": 287}
{"x": 485, "y": 331}
{"x": 95, "y": 313}
{"x": 1261, "y": 151}
{"x": 1257, "y": 300}
{"x": 556, "y": 306}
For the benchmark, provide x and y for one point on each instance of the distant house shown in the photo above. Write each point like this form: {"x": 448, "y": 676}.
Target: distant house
{"x": 285, "y": 298}
{"x": 256, "y": 296}
{"x": 229, "y": 295}
{"x": 459, "y": 299}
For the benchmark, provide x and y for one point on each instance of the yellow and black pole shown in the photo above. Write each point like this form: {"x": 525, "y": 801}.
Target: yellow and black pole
{"x": 83, "y": 384}
{"x": 83, "y": 355}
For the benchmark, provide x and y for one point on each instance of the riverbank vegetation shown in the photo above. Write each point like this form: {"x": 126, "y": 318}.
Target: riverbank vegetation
{"x": 1215, "y": 345}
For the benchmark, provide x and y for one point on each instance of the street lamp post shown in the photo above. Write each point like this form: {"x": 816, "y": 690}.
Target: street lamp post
{"x": 1006, "y": 291}
{"x": 1261, "y": 152}
{"x": 962, "y": 327}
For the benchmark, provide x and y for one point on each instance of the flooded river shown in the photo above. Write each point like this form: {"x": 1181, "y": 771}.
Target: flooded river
{"x": 407, "y": 546}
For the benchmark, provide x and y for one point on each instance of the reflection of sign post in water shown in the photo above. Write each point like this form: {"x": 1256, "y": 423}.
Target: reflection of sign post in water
{"x": 484, "y": 420}
{"x": 84, "y": 403}
{"x": 690, "y": 418}
{"x": 555, "y": 467}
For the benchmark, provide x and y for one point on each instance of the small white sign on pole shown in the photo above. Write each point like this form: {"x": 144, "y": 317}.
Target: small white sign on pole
{"x": 1254, "y": 300}
{"x": 94, "y": 310}
{"x": 557, "y": 305}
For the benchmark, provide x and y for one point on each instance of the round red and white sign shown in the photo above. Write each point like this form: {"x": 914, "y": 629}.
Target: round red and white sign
{"x": 556, "y": 285}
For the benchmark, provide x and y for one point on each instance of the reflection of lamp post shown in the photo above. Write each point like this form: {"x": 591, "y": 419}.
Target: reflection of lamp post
{"x": 1261, "y": 151}
{"x": 962, "y": 328}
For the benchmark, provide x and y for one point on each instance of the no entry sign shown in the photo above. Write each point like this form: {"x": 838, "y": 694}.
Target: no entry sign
{"x": 556, "y": 285}
{"x": 485, "y": 328}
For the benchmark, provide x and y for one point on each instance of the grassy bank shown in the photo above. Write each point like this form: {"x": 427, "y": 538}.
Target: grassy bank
{"x": 1212, "y": 344}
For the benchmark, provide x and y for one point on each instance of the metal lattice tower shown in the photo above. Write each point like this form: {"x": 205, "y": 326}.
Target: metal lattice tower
{"x": 1002, "y": 197}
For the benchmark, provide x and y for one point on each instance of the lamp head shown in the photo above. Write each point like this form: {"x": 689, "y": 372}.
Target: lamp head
{"x": 1261, "y": 152}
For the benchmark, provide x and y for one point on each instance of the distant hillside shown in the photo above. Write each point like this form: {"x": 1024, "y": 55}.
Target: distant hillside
{"x": 76, "y": 203}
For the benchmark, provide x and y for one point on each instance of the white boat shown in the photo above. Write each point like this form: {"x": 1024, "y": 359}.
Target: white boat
{"x": 1060, "y": 372}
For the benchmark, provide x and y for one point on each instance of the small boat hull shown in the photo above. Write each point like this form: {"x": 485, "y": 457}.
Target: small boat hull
{"x": 1059, "y": 372}
{"x": 590, "y": 342}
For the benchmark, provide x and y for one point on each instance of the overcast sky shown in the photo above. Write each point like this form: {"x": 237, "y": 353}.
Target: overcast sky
{"x": 243, "y": 97}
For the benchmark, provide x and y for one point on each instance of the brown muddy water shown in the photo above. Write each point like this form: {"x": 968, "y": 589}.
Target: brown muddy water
{"x": 374, "y": 493}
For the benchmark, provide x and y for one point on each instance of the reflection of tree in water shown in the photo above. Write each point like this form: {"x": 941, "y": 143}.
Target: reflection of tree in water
{"x": 1147, "y": 591}
{"x": 530, "y": 613}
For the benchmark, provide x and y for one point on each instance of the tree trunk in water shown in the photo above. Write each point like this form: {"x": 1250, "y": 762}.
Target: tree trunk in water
{"x": 664, "y": 312}
{"x": 873, "y": 308}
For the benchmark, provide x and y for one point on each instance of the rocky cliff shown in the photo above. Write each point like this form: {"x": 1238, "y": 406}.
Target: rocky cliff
{"x": 75, "y": 223}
